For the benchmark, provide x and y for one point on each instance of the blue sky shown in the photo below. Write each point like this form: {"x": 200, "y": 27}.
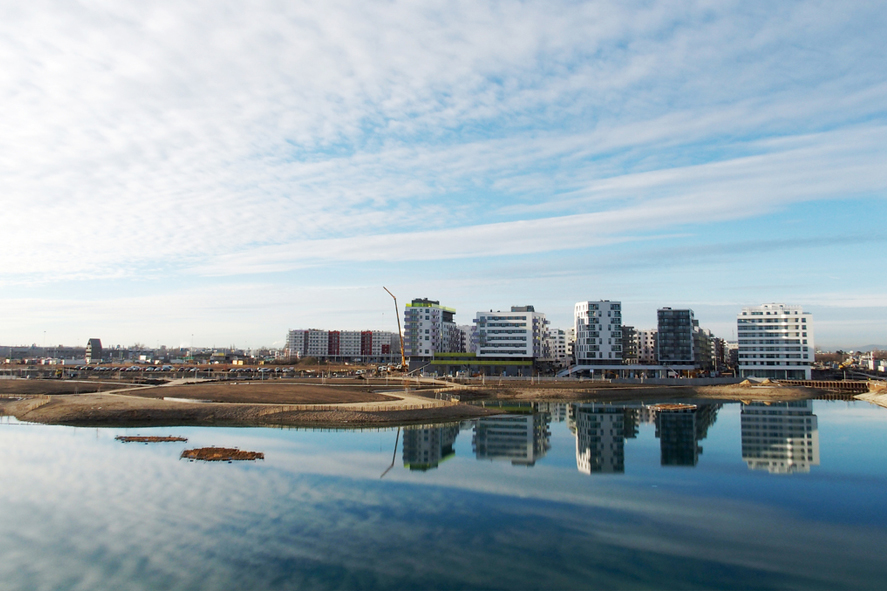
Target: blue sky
{"x": 231, "y": 170}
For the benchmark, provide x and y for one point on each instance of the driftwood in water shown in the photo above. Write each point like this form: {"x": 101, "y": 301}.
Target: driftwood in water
{"x": 147, "y": 439}
{"x": 221, "y": 454}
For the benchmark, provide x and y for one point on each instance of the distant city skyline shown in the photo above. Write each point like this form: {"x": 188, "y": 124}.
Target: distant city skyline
{"x": 186, "y": 175}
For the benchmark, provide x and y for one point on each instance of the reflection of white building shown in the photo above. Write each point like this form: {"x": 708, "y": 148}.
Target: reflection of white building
{"x": 425, "y": 447}
{"x": 600, "y": 443}
{"x": 520, "y": 439}
{"x": 556, "y": 410}
{"x": 780, "y": 437}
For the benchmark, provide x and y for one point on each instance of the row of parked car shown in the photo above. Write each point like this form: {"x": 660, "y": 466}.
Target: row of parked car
{"x": 234, "y": 371}
{"x": 192, "y": 369}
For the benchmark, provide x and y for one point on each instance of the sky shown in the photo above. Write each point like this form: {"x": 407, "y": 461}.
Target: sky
{"x": 215, "y": 173}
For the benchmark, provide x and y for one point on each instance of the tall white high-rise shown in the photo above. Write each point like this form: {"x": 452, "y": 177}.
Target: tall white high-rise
{"x": 430, "y": 328}
{"x": 520, "y": 333}
{"x": 775, "y": 341}
{"x": 598, "y": 327}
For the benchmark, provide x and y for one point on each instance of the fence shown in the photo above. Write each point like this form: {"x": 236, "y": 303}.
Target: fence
{"x": 34, "y": 401}
{"x": 679, "y": 381}
{"x": 351, "y": 407}
{"x": 841, "y": 386}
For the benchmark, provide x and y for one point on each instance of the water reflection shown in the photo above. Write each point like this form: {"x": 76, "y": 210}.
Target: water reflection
{"x": 520, "y": 439}
{"x": 780, "y": 437}
{"x": 424, "y": 448}
{"x": 600, "y": 438}
{"x": 680, "y": 431}
{"x": 82, "y": 511}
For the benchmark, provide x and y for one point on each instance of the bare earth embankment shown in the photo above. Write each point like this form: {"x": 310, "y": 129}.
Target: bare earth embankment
{"x": 30, "y": 387}
{"x": 605, "y": 392}
{"x": 307, "y": 404}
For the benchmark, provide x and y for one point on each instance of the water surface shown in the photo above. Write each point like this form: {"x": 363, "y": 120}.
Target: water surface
{"x": 562, "y": 496}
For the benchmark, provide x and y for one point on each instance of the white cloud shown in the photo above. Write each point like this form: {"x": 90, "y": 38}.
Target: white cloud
{"x": 160, "y": 139}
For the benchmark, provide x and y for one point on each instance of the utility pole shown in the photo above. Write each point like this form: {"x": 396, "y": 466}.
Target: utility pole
{"x": 403, "y": 359}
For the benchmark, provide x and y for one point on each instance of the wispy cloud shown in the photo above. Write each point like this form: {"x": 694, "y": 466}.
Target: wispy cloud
{"x": 156, "y": 139}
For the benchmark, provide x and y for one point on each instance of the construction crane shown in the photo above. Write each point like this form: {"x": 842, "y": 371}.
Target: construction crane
{"x": 403, "y": 359}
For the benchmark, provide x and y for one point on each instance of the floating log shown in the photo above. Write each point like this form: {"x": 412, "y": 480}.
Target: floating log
{"x": 666, "y": 407}
{"x": 147, "y": 439}
{"x": 221, "y": 454}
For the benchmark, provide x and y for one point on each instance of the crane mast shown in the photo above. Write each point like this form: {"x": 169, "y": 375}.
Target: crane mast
{"x": 403, "y": 359}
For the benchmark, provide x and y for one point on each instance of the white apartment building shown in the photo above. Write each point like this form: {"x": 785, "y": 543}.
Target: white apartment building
{"x": 466, "y": 335}
{"x": 308, "y": 343}
{"x": 324, "y": 344}
{"x": 516, "y": 334}
{"x": 381, "y": 342}
{"x": 349, "y": 343}
{"x": 598, "y": 327}
{"x": 430, "y": 328}
{"x": 775, "y": 341}
{"x": 647, "y": 347}
{"x": 556, "y": 347}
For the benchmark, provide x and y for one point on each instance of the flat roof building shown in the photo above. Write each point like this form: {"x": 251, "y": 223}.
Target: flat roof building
{"x": 775, "y": 341}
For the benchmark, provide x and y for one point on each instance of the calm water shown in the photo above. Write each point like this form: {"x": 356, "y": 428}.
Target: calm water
{"x": 570, "y": 496}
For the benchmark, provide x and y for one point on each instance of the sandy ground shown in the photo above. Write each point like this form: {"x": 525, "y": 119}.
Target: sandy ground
{"x": 265, "y": 392}
{"x": 53, "y": 386}
{"x": 616, "y": 392}
{"x": 286, "y": 403}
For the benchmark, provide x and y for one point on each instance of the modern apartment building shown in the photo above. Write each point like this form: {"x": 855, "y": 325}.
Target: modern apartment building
{"x": 557, "y": 347}
{"x": 516, "y": 334}
{"x": 598, "y": 327}
{"x": 775, "y": 341}
{"x": 430, "y": 328}
{"x": 349, "y": 343}
{"x": 647, "y": 347}
{"x": 630, "y": 345}
{"x": 94, "y": 350}
{"x": 308, "y": 343}
{"x": 342, "y": 344}
{"x": 466, "y": 332}
{"x": 675, "y": 340}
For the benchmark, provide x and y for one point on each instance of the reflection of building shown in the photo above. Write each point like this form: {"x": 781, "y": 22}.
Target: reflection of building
{"x": 600, "y": 443}
{"x": 425, "y": 447}
{"x": 556, "y": 410}
{"x": 680, "y": 430}
{"x": 522, "y": 439}
{"x": 780, "y": 437}
{"x": 631, "y": 422}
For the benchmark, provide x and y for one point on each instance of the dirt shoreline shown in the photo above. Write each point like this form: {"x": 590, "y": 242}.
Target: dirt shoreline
{"x": 316, "y": 406}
